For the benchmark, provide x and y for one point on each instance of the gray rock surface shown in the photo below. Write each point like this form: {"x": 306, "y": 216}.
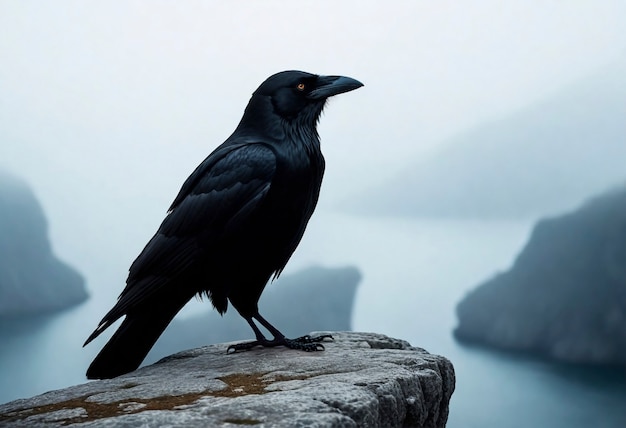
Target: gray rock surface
{"x": 32, "y": 279}
{"x": 565, "y": 296}
{"x": 361, "y": 379}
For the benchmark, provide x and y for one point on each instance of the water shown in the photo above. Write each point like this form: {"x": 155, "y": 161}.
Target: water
{"x": 414, "y": 273}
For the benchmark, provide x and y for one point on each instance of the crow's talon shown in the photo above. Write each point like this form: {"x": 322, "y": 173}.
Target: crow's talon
{"x": 310, "y": 339}
{"x": 305, "y": 343}
{"x": 315, "y": 347}
{"x": 304, "y": 346}
{"x": 245, "y": 346}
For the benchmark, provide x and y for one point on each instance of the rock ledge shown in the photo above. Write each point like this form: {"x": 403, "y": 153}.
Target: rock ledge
{"x": 362, "y": 379}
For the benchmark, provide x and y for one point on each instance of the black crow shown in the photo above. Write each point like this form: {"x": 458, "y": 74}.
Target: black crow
{"x": 233, "y": 226}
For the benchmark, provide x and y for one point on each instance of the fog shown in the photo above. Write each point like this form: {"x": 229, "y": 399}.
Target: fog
{"x": 106, "y": 107}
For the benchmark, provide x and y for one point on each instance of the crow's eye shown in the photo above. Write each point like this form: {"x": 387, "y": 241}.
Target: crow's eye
{"x": 300, "y": 86}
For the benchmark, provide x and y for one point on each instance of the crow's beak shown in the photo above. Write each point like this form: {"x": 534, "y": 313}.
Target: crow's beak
{"x": 327, "y": 86}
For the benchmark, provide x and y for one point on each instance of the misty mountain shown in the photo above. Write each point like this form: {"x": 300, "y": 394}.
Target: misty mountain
{"x": 32, "y": 279}
{"x": 541, "y": 160}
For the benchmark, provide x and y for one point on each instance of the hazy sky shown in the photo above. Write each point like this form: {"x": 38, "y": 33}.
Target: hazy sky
{"x": 107, "y": 106}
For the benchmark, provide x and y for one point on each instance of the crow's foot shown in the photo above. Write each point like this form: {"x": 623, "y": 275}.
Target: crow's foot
{"x": 305, "y": 343}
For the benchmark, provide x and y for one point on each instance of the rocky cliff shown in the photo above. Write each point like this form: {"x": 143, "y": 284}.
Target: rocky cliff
{"x": 32, "y": 279}
{"x": 565, "y": 296}
{"x": 361, "y": 379}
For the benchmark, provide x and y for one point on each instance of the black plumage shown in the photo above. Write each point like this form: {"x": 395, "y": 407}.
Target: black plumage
{"x": 234, "y": 224}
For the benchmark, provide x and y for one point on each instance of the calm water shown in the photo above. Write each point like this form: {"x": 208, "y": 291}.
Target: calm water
{"x": 414, "y": 274}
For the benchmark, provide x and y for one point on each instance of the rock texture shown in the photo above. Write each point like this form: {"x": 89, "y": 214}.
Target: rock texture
{"x": 362, "y": 379}
{"x": 328, "y": 292}
{"x": 32, "y": 279}
{"x": 565, "y": 296}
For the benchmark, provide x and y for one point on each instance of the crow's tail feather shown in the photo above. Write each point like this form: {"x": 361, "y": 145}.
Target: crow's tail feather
{"x": 132, "y": 341}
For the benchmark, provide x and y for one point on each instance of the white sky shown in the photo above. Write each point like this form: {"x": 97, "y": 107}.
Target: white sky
{"x": 107, "y": 106}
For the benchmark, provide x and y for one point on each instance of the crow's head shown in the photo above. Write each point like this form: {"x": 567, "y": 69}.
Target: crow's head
{"x": 296, "y": 95}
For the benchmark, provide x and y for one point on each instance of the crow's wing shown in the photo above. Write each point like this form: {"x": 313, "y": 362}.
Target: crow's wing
{"x": 218, "y": 196}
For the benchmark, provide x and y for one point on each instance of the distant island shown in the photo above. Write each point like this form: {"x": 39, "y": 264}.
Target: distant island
{"x": 565, "y": 296}
{"x": 32, "y": 279}
{"x": 542, "y": 160}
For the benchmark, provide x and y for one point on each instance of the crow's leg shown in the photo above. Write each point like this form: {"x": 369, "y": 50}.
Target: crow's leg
{"x": 304, "y": 343}
{"x": 298, "y": 342}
